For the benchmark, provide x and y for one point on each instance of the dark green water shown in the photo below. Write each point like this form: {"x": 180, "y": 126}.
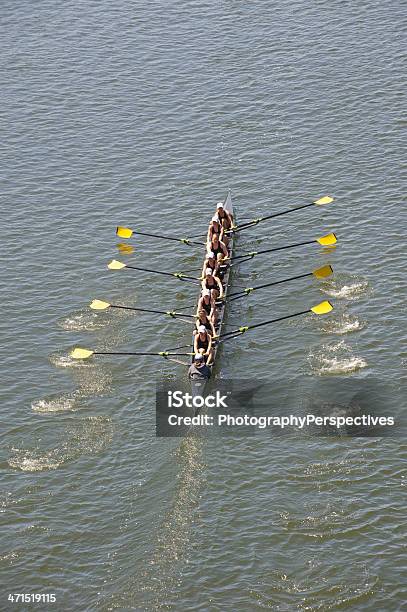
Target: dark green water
{"x": 143, "y": 114}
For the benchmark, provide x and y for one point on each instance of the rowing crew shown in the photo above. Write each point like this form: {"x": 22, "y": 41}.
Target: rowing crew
{"x": 212, "y": 290}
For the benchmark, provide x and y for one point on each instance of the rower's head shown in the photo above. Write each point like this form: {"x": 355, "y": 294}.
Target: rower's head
{"x": 198, "y": 360}
{"x": 214, "y": 293}
{"x": 208, "y": 272}
{"x": 202, "y": 331}
{"x": 215, "y": 222}
{"x": 215, "y": 240}
{"x": 219, "y": 257}
{"x": 220, "y": 210}
{"x": 210, "y": 256}
{"x": 202, "y": 315}
{"x": 206, "y": 295}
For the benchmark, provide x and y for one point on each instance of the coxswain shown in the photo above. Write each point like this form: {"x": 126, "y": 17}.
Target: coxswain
{"x": 198, "y": 370}
{"x": 203, "y": 344}
{"x": 211, "y": 281}
{"x": 217, "y": 246}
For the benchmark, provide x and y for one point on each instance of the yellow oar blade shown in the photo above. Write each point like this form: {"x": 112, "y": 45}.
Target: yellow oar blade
{"x": 327, "y": 240}
{"x": 322, "y": 308}
{"x": 323, "y": 272}
{"x": 99, "y": 305}
{"x": 126, "y": 249}
{"x": 124, "y": 232}
{"x": 116, "y": 265}
{"x": 79, "y": 353}
{"x": 324, "y": 200}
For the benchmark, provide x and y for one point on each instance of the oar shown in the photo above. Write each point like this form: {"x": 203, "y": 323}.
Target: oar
{"x": 320, "y": 202}
{"x": 319, "y": 273}
{"x": 80, "y": 353}
{"x": 327, "y": 240}
{"x": 126, "y": 232}
{"x": 100, "y": 305}
{"x": 118, "y": 265}
{"x": 319, "y": 309}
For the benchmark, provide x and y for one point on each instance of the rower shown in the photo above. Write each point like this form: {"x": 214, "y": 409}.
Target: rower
{"x": 217, "y": 246}
{"x": 199, "y": 370}
{"x": 210, "y": 262}
{"x": 207, "y": 302}
{"x": 225, "y": 220}
{"x": 203, "y": 344}
{"x": 214, "y": 293}
{"x": 215, "y": 227}
{"x": 203, "y": 319}
{"x": 211, "y": 281}
{"x": 221, "y": 266}
{"x": 225, "y": 217}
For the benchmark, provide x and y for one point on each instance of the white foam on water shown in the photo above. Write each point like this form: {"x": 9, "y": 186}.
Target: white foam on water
{"x": 335, "y": 359}
{"x": 84, "y": 321}
{"x": 86, "y": 436}
{"x": 60, "y": 404}
{"x": 342, "y": 366}
{"x": 343, "y": 324}
{"x": 351, "y": 291}
{"x": 31, "y": 463}
{"x": 65, "y": 361}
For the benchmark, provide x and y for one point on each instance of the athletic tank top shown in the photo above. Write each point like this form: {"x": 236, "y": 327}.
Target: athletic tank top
{"x": 213, "y": 285}
{"x": 216, "y": 251}
{"x": 206, "y": 307}
{"x": 203, "y": 344}
{"x": 207, "y": 325}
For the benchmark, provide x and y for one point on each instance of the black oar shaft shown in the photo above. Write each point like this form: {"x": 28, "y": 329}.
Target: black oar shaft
{"x": 163, "y": 354}
{"x": 148, "y": 270}
{"x": 279, "y": 214}
{"x": 184, "y": 240}
{"x": 243, "y": 329}
{"x": 284, "y": 280}
{"x": 161, "y": 312}
{"x": 287, "y": 246}
{"x": 296, "y": 314}
{"x": 173, "y": 274}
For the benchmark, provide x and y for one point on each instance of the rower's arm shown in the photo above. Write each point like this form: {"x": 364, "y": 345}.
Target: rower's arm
{"x": 208, "y": 236}
{"x": 219, "y": 283}
{"x": 209, "y": 344}
{"x": 213, "y": 309}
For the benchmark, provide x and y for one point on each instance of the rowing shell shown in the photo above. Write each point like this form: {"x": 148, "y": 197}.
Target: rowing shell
{"x": 198, "y": 386}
